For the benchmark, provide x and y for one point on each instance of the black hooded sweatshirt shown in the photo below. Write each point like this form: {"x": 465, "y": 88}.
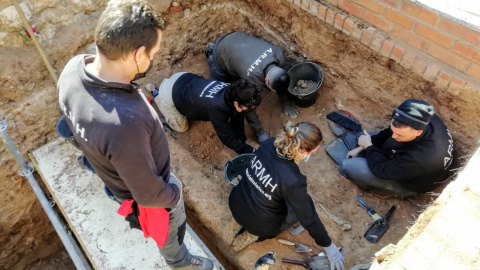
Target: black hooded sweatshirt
{"x": 420, "y": 165}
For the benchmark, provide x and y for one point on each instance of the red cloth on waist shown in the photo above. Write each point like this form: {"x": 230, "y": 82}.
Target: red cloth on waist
{"x": 154, "y": 221}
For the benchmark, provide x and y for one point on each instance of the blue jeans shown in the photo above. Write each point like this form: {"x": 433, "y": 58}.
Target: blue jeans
{"x": 357, "y": 171}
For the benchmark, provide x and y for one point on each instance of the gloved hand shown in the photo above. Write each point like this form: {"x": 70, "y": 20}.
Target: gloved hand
{"x": 290, "y": 111}
{"x": 262, "y": 137}
{"x": 337, "y": 262}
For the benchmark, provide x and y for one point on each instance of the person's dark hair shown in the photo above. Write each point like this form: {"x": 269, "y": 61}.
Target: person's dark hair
{"x": 399, "y": 124}
{"x": 278, "y": 80}
{"x": 295, "y": 138}
{"x": 125, "y": 26}
{"x": 243, "y": 92}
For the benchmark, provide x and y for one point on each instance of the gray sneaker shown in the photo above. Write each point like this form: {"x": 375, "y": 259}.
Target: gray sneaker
{"x": 198, "y": 263}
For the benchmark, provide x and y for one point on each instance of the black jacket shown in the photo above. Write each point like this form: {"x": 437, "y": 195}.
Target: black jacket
{"x": 420, "y": 165}
{"x": 259, "y": 201}
{"x": 120, "y": 134}
{"x": 244, "y": 56}
{"x": 201, "y": 99}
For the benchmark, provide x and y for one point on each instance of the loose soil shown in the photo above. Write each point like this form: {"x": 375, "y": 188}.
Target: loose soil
{"x": 355, "y": 79}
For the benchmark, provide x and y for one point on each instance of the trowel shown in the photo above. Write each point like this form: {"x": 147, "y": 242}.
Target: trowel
{"x": 298, "y": 247}
{"x": 378, "y": 228}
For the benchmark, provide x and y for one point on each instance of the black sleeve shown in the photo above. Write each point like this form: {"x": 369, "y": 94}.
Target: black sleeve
{"x": 302, "y": 205}
{"x": 130, "y": 153}
{"x": 226, "y": 134}
{"x": 379, "y": 139}
{"x": 401, "y": 167}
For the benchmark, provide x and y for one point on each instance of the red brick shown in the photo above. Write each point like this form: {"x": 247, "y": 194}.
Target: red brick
{"x": 386, "y": 48}
{"x": 419, "y": 66}
{"x": 397, "y": 53}
{"x": 467, "y": 51}
{"x": 447, "y": 57}
{"x": 456, "y": 86}
{"x": 377, "y": 21}
{"x": 431, "y": 72}
{"x": 420, "y": 13}
{"x": 330, "y": 16}
{"x": 377, "y": 41}
{"x": 314, "y": 8}
{"x": 175, "y": 9}
{"x": 348, "y": 25}
{"x": 305, "y": 5}
{"x": 339, "y": 19}
{"x": 459, "y": 31}
{"x": 443, "y": 79}
{"x": 322, "y": 12}
{"x": 351, "y": 8}
{"x": 434, "y": 35}
{"x": 367, "y": 35}
{"x": 474, "y": 71}
{"x": 408, "y": 59}
{"x": 357, "y": 31}
{"x": 409, "y": 37}
{"x": 372, "y": 5}
{"x": 399, "y": 18}
{"x": 392, "y": 3}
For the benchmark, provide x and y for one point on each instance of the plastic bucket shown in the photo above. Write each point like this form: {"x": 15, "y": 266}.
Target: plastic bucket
{"x": 307, "y": 71}
{"x": 235, "y": 168}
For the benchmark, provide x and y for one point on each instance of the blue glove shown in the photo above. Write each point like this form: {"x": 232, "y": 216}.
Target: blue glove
{"x": 262, "y": 137}
{"x": 337, "y": 262}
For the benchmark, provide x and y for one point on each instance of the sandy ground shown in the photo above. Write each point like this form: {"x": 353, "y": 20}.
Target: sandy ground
{"x": 356, "y": 79}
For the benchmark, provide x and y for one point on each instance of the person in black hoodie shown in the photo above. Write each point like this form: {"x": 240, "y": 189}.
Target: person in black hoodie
{"x": 273, "y": 193}
{"x": 410, "y": 157}
{"x": 240, "y": 55}
{"x": 187, "y": 95}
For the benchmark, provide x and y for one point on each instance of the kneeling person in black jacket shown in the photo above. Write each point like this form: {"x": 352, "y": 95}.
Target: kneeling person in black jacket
{"x": 412, "y": 156}
{"x": 186, "y": 95}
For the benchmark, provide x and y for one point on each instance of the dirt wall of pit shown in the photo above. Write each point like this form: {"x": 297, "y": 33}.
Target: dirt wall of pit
{"x": 359, "y": 74}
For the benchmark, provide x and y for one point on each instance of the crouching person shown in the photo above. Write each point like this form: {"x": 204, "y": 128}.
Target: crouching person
{"x": 411, "y": 156}
{"x": 186, "y": 96}
{"x": 272, "y": 194}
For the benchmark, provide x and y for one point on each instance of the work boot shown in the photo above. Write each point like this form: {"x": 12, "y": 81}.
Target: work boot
{"x": 243, "y": 240}
{"x": 209, "y": 50}
{"x": 197, "y": 262}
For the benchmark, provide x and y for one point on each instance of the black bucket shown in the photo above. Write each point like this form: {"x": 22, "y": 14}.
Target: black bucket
{"x": 307, "y": 71}
{"x": 235, "y": 168}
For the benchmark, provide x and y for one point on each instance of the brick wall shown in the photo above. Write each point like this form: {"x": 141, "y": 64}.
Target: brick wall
{"x": 420, "y": 39}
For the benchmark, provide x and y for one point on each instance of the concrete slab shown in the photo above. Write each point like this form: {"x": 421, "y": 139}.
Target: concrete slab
{"x": 104, "y": 235}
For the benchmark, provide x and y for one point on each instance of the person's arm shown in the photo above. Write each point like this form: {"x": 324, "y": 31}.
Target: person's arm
{"x": 401, "y": 167}
{"x": 302, "y": 205}
{"x": 226, "y": 134}
{"x": 380, "y": 138}
{"x": 130, "y": 153}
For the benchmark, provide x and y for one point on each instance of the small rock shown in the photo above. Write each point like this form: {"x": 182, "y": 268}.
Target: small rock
{"x": 186, "y": 14}
{"x": 179, "y": 65}
{"x": 173, "y": 153}
{"x": 204, "y": 7}
{"x": 346, "y": 227}
{"x": 202, "y": 156}
{"x": 300, "y": 82}
{"x": 174, "y": 4}
{"x": 168, "y": 57}
{"x": 216, "y": 148}
{"x": 304, "y": 85}
{"x": 361, "y": 194}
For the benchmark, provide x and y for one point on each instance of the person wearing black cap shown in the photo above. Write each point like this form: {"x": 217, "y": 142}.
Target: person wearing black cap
{"x": 240, "y": 55}
{"x": 410, "y": 157}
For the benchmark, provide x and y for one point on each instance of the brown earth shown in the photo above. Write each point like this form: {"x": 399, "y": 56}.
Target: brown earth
{"x": 356, "y": 79}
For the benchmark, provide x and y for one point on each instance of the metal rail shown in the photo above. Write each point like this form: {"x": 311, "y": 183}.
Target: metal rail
{"x": 25, "y": 170}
